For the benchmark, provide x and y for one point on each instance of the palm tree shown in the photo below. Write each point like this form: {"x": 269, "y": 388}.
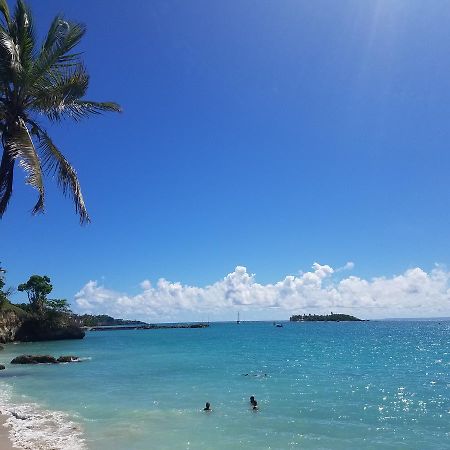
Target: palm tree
{"x": 47, "y": 82}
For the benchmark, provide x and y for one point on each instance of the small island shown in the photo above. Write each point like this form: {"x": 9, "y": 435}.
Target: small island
{"x": 103, "y": 320}
{"x": 324, "y": 318}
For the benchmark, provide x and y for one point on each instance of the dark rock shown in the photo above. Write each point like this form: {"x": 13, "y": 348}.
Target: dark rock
{"x": 68, "y": 359}
{"x": 2, "y": 367}
{"x": 34, "y": 359}
{"x": 40, "y": 330}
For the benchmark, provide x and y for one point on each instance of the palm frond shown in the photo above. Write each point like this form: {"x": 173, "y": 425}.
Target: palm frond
{"x": 54, "y": 162}
{"x": 61, "y": 38}
{"x": 21, "y": 29}
{"x": 60, "y": 95}
{"x": 79, "y": 109}
{"x": 9, "y": 56}
{"x": 19, "y": 145}
{"x": 54, "y": 32}
{"x": 5, "y": 11}
{"x": 59, "y": 88}
{"x": 6, "y": 181}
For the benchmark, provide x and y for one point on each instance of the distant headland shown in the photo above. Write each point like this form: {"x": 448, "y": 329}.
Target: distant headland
{"x": 324, "y": 318}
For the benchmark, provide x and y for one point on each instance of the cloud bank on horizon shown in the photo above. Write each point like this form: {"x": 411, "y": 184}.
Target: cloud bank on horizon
{"x": 415, "y": 293}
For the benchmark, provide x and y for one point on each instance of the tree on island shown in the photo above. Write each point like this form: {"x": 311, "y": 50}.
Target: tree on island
{"x": 50, "y": 81}
{"x": 37, "y": 289}
{"x": 47, "y": 319}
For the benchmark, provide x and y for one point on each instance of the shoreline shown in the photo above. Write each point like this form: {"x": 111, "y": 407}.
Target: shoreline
{"x": 5, "y": 441}
{"x": 29, "y": 426}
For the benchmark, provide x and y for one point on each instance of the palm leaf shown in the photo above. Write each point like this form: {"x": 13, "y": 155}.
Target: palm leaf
{"x": 55, "y": 94}
{"x": 58, "y": 88}
{"x": 9, "y": 55}
{"x": 5, "y": 11}
{"x": 62, "y": 37}
{"x": 54, "y": 162}
{"x": 21, "y": 29}
{"x": 60, "y": 95}
{"x": 6, "y": 181}
{"x": 80, "y": 109}
{"x": 19, "y": 145}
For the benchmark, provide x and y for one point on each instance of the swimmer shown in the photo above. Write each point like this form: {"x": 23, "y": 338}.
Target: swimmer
{"x": 253, "y": 402}
{"x": 207, "y": 407}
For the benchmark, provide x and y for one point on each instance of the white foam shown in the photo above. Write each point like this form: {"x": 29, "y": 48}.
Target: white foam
{"x": 85, "y": 358}
{"x": 34, "y": 428}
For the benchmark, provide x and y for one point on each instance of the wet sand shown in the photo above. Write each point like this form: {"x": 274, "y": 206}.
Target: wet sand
{"x": 5, "y": 443}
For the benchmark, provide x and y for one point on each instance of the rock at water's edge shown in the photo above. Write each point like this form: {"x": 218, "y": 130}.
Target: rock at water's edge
{"x": 2, "y": 367}
{"x": 68, "y": 359}
{"x": 34, "y": 359}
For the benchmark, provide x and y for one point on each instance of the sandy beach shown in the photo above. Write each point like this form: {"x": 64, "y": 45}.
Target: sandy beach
{"x": 5, "y": 443}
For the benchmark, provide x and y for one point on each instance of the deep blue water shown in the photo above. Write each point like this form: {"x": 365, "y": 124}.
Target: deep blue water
{"x": 364, "y": 385}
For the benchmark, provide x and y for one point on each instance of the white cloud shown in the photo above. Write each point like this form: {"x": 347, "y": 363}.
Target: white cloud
{"x": 348, "y": 266}
{"x": 415, "y": 293}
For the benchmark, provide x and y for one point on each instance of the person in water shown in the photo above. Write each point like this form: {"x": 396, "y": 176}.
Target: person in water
{"x": 207, "y": 407}
{"x": 253, "y": 403}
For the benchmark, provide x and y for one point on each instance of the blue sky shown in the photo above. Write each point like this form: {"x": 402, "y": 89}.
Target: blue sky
{"x": 266, "y": 134}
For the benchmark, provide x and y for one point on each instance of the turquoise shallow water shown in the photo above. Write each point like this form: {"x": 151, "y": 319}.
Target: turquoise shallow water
{"x": 364, "y": 385}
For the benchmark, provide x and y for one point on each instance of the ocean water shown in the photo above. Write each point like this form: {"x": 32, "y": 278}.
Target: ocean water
{"x": 365, "y": 385}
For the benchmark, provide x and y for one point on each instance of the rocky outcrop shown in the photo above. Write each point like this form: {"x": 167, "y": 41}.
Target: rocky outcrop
{"x": 34, "y": 330}
{"x": 43, "y": 359}
{"x": 34, "y": 359}
{"x": 18, "y": 325}
{"x": 10, "y": 323}
{"x": 2, "y": 367}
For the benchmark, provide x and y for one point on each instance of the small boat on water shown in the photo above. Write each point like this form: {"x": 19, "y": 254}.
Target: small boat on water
{"x": 278, "y": 325}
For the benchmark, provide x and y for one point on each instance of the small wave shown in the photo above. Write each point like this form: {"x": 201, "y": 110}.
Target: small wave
{"x": 33, "y": 428}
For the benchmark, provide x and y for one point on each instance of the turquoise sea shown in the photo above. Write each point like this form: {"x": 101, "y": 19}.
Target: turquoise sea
{"x": 365, "y": 385}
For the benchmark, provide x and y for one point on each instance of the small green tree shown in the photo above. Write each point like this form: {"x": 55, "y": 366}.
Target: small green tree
{"x": 60, "y": 305}
{"x": 37, "y": 289}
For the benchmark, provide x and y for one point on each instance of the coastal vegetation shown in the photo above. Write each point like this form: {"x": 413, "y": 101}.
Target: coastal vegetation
{"x": 41, "y": 318}
{"x": 48, "y": 81}
{"x": 324, "y": 318}
{"x": 103, "y": 320}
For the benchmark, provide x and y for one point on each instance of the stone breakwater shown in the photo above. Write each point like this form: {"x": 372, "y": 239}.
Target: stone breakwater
{"x": 147, "y": 327}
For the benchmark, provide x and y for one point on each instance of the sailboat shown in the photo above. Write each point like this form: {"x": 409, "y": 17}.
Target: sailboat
{"x": 238, "y": 320}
